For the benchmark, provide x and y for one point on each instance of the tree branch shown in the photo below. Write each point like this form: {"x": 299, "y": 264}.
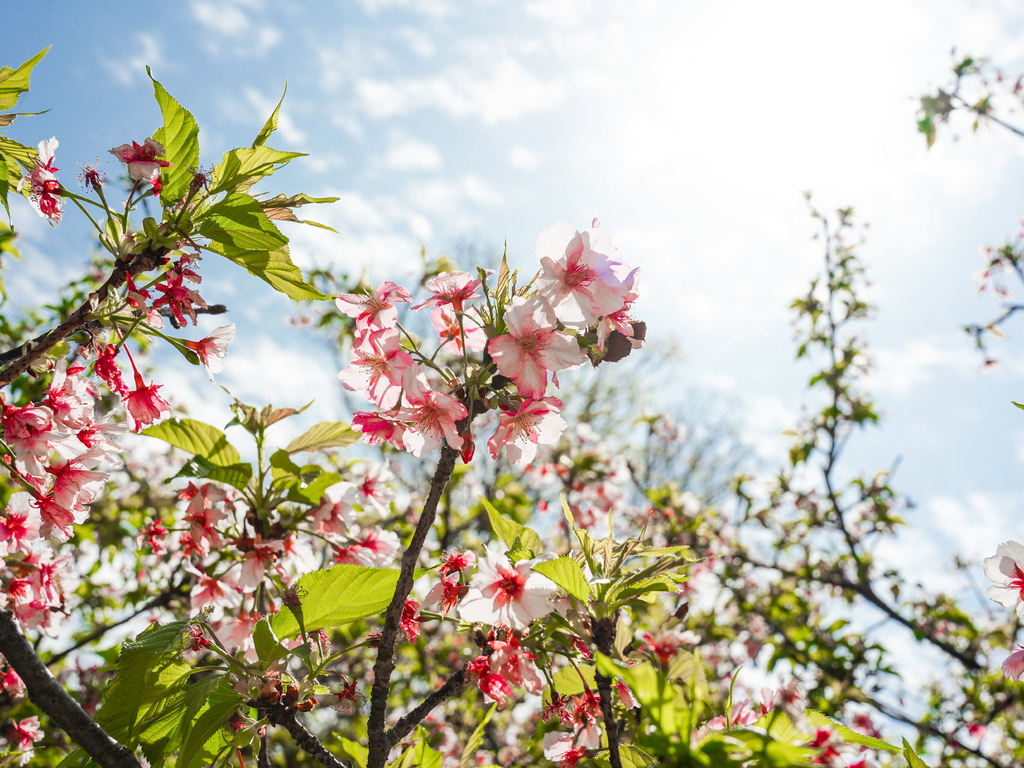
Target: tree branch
{"x": 47, "y": 694}
{"x": 453, "y": 686}
{"x": 307, "y": 741}
{"x": 385, "y": 664}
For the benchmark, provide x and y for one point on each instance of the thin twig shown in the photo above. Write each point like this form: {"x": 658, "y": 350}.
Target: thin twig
{"x": 453, "y": 686}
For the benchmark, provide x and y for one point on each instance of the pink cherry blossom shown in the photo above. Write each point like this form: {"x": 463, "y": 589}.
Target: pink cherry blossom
{"x": 536, "y": 422}
{"x": 447, "y": 326}
{"x": 445, "y": 593}
{"x": 213, "y": 349}
{"x": 336, "y": 512}
{"x": 142, "y": 161}
{"x": 558, "y": 748}
{"x": 44, "y": 189}
{"x": 1013, "y": 667}
{"x": 581, "y": 278}
{"x": 533, "y": 346}
{"x": 383, "y": 426}
{"x": 502, "y": 594}
{"x": 453, "y": 288}
{"x": 373, "y": 311}
{"x": 430, "y": 415}
{"x": 1006, "y": 569}
{"x": 370, "y": 546}
{"x": 19, "y": 526}
{"x": 257, "y": 555}
{"x": 377, "y": 367}
{"x": 374, "y": 490}
{"x": 515, "y": 664}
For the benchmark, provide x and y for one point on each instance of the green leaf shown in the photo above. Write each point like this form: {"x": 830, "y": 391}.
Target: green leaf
{"x": 238, "y": 225}
{"x": 1017, "y": 404}
{"x": 468, "y": 757}
{"x": 913, "y": 761}
{"x": 207, "y": 736}
{"x": 268, "y": 647}
{"x": 326, "y": 434}
{"x": 277, "y": 270}
{"x": 198, "y": 438}
{"x": 199, "y": 467}
{"x": 353, "y": 750}
{"x": 567, "y": 574}
{"x": 14, "y": 82}
{"x": 149, "y": 670}
{"x": 508, "y": 530}
{"x": 337, "y": 596}
{"x": 271, "y": 125}
{"x": 568, "y": 682}
{"x": 629, "y": 756}
{"x": 420, "y": 754}
{"x": 163, "y": 733}
{"x": 820, "y": 720}
{"x": 242, "y": 167}
{"x": 315, "y": 490}
{"x": 180, "y": 139}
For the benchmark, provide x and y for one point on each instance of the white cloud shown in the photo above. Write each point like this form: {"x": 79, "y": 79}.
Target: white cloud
{"x": 504, "y": 91}
{"x": 904, "y": 369}
{"x": 232, "y": 21}
{"x": 521, "y": 157}
{"x": 147, "y": 51}
{"x": 435, "y": 8}
{"x": 407, "y": 153}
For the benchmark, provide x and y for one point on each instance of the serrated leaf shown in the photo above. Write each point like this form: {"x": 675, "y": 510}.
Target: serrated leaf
{"x": 337, "y": 596}
{"x": 468, "y": 757}
{"x": 629, "y": 757}
{"x": 567, "y": 574}
{"x": 326, "y": 434}
{"x": 268, "y": 647}
{"x": 238, "y": 225}
{"x": 198, "y": 438}
{"x": 913, "y": 761}
{"x": 208, "y": 736}
{"x": 271, "y": 125}
{"x": 14, "y": 82}
{"x": 820, "y": 720}
{"x": 163, "y": 733}
{"x": 199, "y": 467}
{"x": 149, "y": 670}
{"x": 509, "y": 531}
{"x": 179, "y": 136}
{"x": 278, "y": 271}
{"x": 244, "y": 166}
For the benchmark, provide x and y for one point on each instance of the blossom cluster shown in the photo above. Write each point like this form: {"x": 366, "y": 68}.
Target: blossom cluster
{"x": 583, "y": 294}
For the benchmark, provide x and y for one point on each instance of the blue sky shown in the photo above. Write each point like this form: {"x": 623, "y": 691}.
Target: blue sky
{"x": 691, "y": 129}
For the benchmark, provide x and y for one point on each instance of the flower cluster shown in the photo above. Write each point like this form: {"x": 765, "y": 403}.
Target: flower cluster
{"x": 583, "y": 295}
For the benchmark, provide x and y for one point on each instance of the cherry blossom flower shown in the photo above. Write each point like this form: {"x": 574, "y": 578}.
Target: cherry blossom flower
{"x": 374, "y": 490}
{"x": 142, "y": 161}
{"x": 213, "y": 349}
{"x": 453, "y": 288}
{"x": 155, "y": 535}
{"x": 44, "y": 189}
{"x": 430, "y": 415}
{"x": 536, "y": 421}
{"x": 371, "y": 546}
{"x": 380, "y": 427}
{"x": 335, "y": 515}
{"x": 447, "y": 326}
{"x": 1006, "y": 569}
{"x": 502, "y": 594}
{"x": 218, "y": 592}
{"x": 373, "y": 311}
{"x": 257, "y": 555}
{"x": 455, "y": 561}
{"x": 1013, "y": 667}
{"x": 19, "y": 526}
{"x": 377, "y": 367}
{"x": 409, "y": 623}
{"x": 145, "y": 406}
{"x": 533, "y": 346}
{"x": 581, "y": 280}
{"x": 177, "y": 297}
{"x": 558, "y": 748}
{"x": 27, "y": 733}
{"x": 515, "y": 664}
{"x": 494, "y": 686}
{"x": 445, "y": 593}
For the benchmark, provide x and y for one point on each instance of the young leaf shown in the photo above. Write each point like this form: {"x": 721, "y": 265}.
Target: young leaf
{"x": 337, "y": 596}
{"x": 568, "y": 682}
{"x": 629, "y": 757}
{"x": 180, "y": 139}
{"x": 354, "y": 751}
{"x": 271, "y": 125}
{"x": 238, "y": 225}
{"x": 199, "y": 467}
{"x": 420, "y": 754}
{"x": 509, "y": 531}
{"x": 198, "y": 438}
{"x": 468, "y": 757}
{"x": 913, "y": 761}
{"x": 242, "y": 167}
{"x": 326, "y": 434}
{"x": 14, "y": 82}
{"x": 567, "y": 574}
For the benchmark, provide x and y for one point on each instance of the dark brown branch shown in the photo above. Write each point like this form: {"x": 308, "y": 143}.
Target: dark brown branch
{"x": 603, "y": 635}
{"x": 49, "y": 695}
{"x": 385, "y": 664}
{"x": 33, "y": 350}
{"x": 453, "y": 686}
{"x": 309, "y": 743}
